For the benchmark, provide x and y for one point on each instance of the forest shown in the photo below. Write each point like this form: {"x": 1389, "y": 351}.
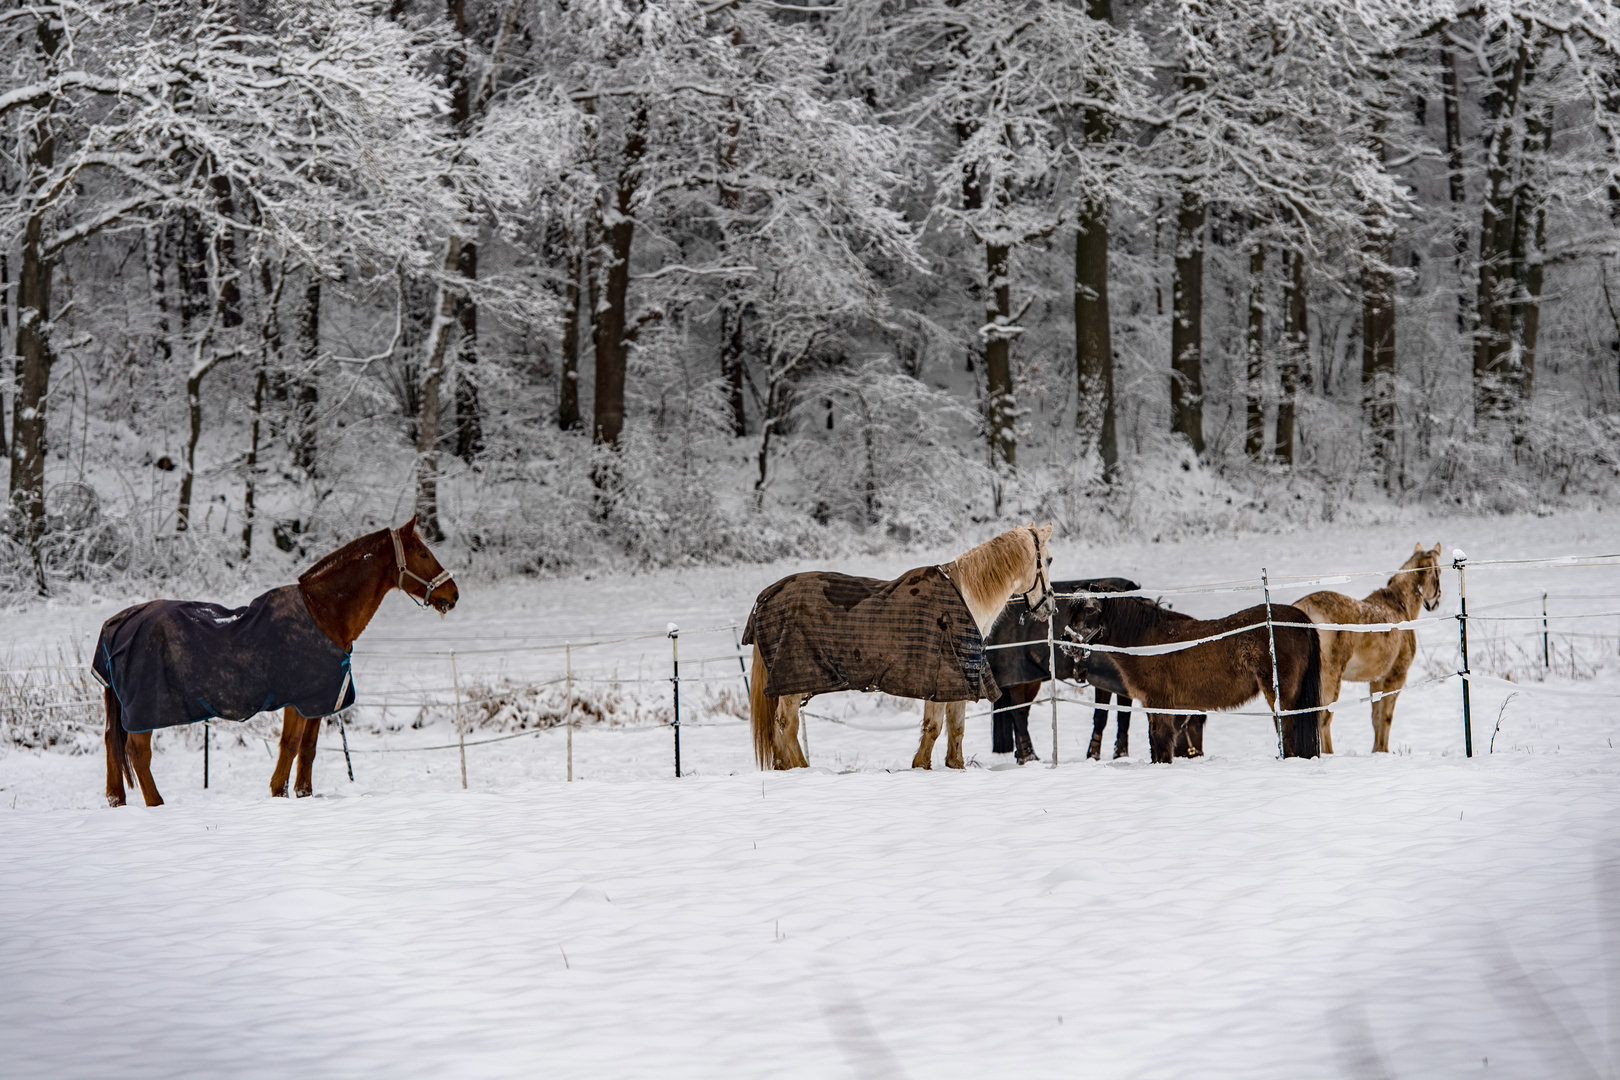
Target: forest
{"x": 596, "y": 284}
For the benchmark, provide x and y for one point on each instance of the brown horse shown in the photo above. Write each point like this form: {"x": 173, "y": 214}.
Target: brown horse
{"x": 1380, "y": 658}
{"x": 167, "y": 662}
{"x": 1221, "y": 674}
{"x": 919, "y": 636}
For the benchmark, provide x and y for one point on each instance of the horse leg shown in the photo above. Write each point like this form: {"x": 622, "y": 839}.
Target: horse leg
{"x": 140, "y": 756}
{"x": 955, "y": 722}
{"x": 789, "y": 754}
{"x": 117, "y": 751}
{"x": 933, "y": 713}
{"x": 1194, "y": 742}
{"x": 1022, "y": 695}
{"x": 292, "y": 735}
{"x": 304, "y": 785}
{"x": 1001, "y": 725}
{"x": 1330, "y": 693}
{"x": 1122, "y": 729}
{"x": 1161, "y": 738}
{"x": 1384, "y": 710}
{"x": 1181, "y": 748}
{"x": 1099, "y": 720}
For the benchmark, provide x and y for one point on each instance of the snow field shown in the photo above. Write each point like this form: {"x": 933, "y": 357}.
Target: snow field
{"x": 1411, "y": 914}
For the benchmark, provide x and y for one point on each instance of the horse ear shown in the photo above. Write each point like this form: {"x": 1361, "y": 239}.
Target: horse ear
{"x": 1417, "y": 549}
{"x": 1045, "y": 531}
{"x": 409, "y": 527}
{"x": 1437, "y": 550}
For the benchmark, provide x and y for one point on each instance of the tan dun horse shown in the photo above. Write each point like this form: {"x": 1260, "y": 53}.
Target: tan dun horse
{"x": 1380, "y": 658}
{"x": 919, "y": 636}
{"x": 170, "y": 662}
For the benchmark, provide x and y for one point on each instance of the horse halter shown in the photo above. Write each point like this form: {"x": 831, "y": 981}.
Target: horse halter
{"x": 1041, "y": 609}
{"x": 407, "y": 572}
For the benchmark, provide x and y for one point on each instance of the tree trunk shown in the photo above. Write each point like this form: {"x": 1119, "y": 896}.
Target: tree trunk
{"x": 1493, "y": 336}
{"x": 29, "y": 443}
{"x": 1378, "y": 343}
{"x": 162, "y": 347}
{"x": 469, "y": 422}
{"x": 568, "y": 384}
{"x": 1093, "y": 333}
{"x": 1454, "y": 174}
{"x": 732, "y": 304}
{"x": 1093, "y": 339}
{"x": 1003, "y": 413}
{"x": 308, "y": 393}
{"x": 1254, "y": 432}
{"x": 5, "y": 343}
{"x": 612, "y": 341}
{"x": 1296, "y": 350}
{"x": 269, "y": 346}
{"x": 427, "y": 425}
{"x": 1187, "y": 324}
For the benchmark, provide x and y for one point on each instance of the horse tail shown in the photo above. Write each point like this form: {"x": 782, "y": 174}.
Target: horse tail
{"x": 762, "y": 711}
{"x": 1308, "y": 725}
{"x": 117, "y": 737}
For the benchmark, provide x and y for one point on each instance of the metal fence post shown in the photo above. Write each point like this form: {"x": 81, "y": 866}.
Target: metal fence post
{"x": 343, "y": 730}
{"x": 207, "y": 727}
{"x": 1271, "y": 640}
{"x": 461, "y": 735}
{"x": 568, "y": 706}
{"x": 1546, "y": 654}
{"x": 675, "y": 682}
{"x": 1051, "y": 670}
{"x": 1458, "y": 559}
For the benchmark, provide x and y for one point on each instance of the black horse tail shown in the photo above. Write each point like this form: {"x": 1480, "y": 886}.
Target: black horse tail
{"x": 1307, "y": 738}
{"x": 117, "y": 737}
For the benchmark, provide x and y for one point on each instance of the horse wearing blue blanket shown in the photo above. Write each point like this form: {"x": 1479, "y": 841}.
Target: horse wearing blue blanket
{"x": 171, "y": 662}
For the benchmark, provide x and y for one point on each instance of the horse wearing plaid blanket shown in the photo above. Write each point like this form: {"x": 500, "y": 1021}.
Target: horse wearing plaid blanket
{"x": 918, "y": 636}
{"x": 171, "y": 662}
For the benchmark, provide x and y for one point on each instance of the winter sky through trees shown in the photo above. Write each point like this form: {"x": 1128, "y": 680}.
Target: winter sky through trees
{"x": 653, "y": 281}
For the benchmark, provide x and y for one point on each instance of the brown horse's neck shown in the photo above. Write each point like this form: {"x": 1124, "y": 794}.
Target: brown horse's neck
{"x": 345, "y": 588}
{"x": 987, "y": 575}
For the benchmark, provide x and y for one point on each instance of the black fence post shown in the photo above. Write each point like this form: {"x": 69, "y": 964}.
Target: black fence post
{"x": 675, "y": 682}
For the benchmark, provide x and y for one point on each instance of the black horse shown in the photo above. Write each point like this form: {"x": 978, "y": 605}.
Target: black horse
{"x": 1020, "y": 674}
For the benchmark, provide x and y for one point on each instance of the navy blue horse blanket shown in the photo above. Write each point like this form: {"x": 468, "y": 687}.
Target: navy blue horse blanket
{"x": 172, "y": 662}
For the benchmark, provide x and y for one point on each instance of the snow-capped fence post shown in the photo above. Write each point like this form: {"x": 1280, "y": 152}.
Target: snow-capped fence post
{"x": 675, "y": 682}
{"x": 1271, "y": 641}
{"x": 207, "y": 727}
{"x": 568, "y": 705}
{"x": 1051, "y": 667}
{"x": 461, "y": 734}
{"x": 1458, "y": 559}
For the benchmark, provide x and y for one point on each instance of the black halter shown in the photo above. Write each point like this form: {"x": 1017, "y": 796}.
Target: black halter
{"x": 1042, "y": 608}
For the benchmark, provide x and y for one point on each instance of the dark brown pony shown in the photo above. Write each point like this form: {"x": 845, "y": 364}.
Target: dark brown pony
{"x": 343, "y": 591}
{"x": 1221, "y": 674}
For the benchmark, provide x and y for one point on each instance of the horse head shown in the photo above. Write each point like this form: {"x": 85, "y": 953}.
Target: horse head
{"x": 430, "y": 584}
{"x": 1037, "y": 593}
{"x": 1425, "y": 562}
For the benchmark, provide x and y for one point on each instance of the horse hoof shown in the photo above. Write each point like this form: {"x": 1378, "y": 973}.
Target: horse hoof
{"x": 115, "y": 800}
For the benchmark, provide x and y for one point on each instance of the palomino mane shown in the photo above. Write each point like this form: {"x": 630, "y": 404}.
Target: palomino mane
{"x": 333, "y": 559}
{"x": 987, "y": 574}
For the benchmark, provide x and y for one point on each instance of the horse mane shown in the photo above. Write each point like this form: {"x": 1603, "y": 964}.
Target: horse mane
{"x": 987, "y": 574}
{"x": 1127, "y": 619}
{"x": 333, "y": 559}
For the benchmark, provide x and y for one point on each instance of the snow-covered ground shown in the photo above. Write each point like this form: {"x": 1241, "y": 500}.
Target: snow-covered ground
{"x": 1415, "y": 914}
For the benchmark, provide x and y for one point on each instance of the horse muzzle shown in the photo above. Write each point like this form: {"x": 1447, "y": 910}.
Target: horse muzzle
{"x": 444, "y": 598}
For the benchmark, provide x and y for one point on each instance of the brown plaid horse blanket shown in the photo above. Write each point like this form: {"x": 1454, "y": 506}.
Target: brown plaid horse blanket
{"x": 912, "y": 637}
{"x": 179, "y": 661}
